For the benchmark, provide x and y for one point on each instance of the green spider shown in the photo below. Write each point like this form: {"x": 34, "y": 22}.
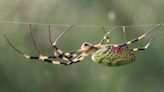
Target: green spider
{"x": 106, "y": 54}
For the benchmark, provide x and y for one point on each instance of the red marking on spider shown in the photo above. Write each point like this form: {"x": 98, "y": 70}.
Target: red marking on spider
{"x": 117, "y": 50}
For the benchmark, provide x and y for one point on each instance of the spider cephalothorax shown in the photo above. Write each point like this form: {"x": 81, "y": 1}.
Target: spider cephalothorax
{"x": 103, "y": 53}
{"x": 88, "y": 48}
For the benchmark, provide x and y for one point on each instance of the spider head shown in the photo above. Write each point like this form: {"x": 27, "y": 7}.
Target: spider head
{"x": 88, "y": 48}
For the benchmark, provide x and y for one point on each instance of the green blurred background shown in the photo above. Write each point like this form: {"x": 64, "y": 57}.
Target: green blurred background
{"x": 18, "y": 74}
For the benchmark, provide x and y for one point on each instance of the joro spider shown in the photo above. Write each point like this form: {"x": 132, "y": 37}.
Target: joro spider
{"x": 103, "y": 53}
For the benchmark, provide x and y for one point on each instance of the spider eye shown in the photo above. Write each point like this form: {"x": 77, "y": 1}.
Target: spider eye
{"x": 85, "y": 44}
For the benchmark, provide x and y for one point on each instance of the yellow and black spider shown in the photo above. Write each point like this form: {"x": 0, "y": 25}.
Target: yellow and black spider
{"x": 103, "y": 53}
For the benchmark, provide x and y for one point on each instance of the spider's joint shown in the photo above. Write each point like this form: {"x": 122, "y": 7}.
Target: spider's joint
{"x": 81, "y": 58}
{"x": 55, "y": 54}
{"x": 105, "y": 37}
{"x": 135, "y": 49}
{"x": 41, "y": 57}
{"x": 74, "y": 55}
{"x": 75, "y": 60}
{"x": 147, "y": 45}
{"x": 129, "y": 42}
{"x": 26, "y": 56}
{"x": 108, "y": 41}
{"x": 142, "y": 36}
{"x": 55, "y": 62}
{"x": 67, "y": 54}
{"x": 115, "y": 45}
{"x": 54, "y": 44}
{"x": 78, "y": 59}
{"x": 59, "y": 51}
{"x": 66, "y": 59}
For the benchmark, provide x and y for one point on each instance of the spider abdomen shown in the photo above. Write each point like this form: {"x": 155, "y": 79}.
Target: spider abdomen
{"x": 114, "y": 56}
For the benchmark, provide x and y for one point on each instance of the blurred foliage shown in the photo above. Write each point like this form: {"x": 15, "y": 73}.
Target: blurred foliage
{"x": 18, "y": 74}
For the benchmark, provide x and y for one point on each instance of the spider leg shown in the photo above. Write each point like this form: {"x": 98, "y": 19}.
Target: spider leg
{"x": 146, "y": 46}
{"x": 70, "y": 57}
{"x": 60, "y": 53}
{"x": 77, "y": 59}
{"x": 140, "y": 37}
{"x": 44, "y": 58}
{"x": 40, "y": 57}
{"x": 56, "y": 50}
{"x": 54, "y": 44}
{"x": 50, "y": 38}
{"x": 73, "y": 58}
{"x": 106, "y": 36}
{"x": 73, "y": 54}
{"x": 35, "y": 45}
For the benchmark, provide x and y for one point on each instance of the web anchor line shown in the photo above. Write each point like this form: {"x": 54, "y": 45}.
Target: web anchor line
{"x": 66, "y": 25}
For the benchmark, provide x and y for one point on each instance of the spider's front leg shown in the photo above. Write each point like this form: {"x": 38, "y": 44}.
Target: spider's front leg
{"x": 69, "y": 57}
{"x": 50, "y": 59}
{"x": 40, "y": 57}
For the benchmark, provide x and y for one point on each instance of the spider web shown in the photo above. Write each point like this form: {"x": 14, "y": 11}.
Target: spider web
{"x": 65, "y": 25}
{"x": 86, "y": 26}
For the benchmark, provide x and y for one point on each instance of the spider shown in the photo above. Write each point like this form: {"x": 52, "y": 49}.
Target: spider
{"x": 103, "y": 53}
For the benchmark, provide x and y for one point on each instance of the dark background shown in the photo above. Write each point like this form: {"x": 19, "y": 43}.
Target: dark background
{"x": 18, "y": 74}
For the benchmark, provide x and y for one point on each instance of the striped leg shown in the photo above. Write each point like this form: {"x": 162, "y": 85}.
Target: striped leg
{"x": 54, "y": 44}
{"x": 59, "y": 53}
{"x": 146, "y": 46}
{"x": 73, "y": 54}
{"x": 142, "y": 48}
{"x": 45, "y": 58}
{"x": 69, "y": 56}
{"x": 40, "y": 57}
{"x": 56, "y": 50}
{"x": 75, "y": 60}
{"x": 141, "y": 37}
{"x": 73, "y": 57}
{"x": 79, "y": 58}
{"x": 106, "y": 36}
